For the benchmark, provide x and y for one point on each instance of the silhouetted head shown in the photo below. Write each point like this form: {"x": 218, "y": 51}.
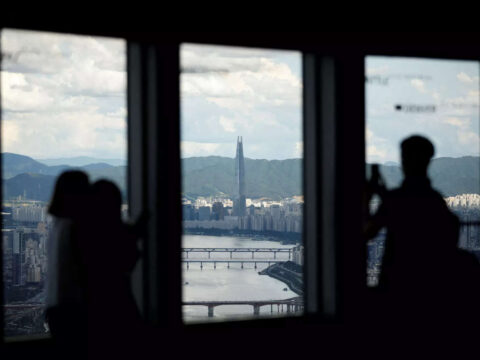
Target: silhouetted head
{"x": 107, "y": 199}
{"x": 417, "y": 151}
{"x": 70, "y": 194}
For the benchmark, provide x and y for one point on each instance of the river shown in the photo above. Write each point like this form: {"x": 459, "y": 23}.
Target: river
{"x": 231, "y": 283}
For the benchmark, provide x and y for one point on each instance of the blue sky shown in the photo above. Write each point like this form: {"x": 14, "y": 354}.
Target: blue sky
{"x": 451, "y": 86}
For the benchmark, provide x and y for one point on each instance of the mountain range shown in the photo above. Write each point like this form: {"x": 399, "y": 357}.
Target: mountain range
{"x": 214, "y": 176}
{"x": 81, "y": 161}
{"x": 450, "y": 176}
{"x": 24, "y": 176}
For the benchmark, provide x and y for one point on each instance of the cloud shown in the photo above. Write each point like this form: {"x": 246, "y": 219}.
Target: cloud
{"x": 419, "y": 85}
{"x": 234, "y": 78}
{"x": 380, "y": 70}
{"x": 374, "y": 153}
{"x": 192, "y": 148}
{"x": 464, "y": 78}
{"x": 469, "y": 138}
{"x": 63, "y": 95}
{"x": 298, "y": 149}
{"x": 228, "y": 91}
{"x": 457, "y": 122}
{"x": 227, "y": 124}
{"x": 18, "y": 94}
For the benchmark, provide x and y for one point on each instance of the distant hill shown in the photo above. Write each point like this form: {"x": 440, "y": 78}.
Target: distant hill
{"x": 450, "y": 176}
{"x": 30, "y": 186}
{"x": 81, "y": 161}
{"x": 26, "y": 176}
{"x": 14, "y": 164}
{"x": 214, "y": 175}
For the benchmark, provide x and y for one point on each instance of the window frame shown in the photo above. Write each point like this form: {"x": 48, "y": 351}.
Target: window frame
{"x": 346, "y": 53}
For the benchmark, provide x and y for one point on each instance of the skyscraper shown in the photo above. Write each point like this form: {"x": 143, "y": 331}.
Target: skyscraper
{"x": 239, "y": 201}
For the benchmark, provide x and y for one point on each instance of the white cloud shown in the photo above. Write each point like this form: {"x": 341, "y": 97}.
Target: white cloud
{"x": 20, "y": 95}
{"x": 457, "y": 122}
{"x": 380, "y": 70}
{"x": 192, "y": 148}
{"x": 298, "y": 153}
{"x": 468, "y": 138}
{"x": 10, "y": 134}
{"x": 227, "y": 124}
{"x": 234, "y": 78}
{"x": 418, "y": 84}
{"x": 368, "y": 134}
{"x": 63, "y": 95}
{"x": 375, "y": 154}
{"x": 464, "y": 78}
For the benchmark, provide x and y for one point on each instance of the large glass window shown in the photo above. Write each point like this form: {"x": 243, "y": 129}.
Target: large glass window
{"x": 242, "y": 197}
{"x": 63, "y": 107}
{"x": 438, "y": 99}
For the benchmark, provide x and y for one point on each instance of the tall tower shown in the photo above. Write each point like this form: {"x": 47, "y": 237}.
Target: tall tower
{"x": 239, "y": 201}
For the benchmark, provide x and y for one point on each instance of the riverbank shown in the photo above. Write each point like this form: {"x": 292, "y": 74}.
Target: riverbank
{"x": 286, "y": 238}
{"x": 287, "y": 272}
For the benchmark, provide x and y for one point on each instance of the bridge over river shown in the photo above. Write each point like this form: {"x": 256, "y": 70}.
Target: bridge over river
{"x": 234, "y": 260}
{"x": 253, "y": 251}
{"x": 292, "y": 305}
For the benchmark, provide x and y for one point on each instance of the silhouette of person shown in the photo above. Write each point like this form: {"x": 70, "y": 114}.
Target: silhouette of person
{"x": 110, "y": 255}
{"x": 424, "y": 275}
{"x": 66, "y": 298}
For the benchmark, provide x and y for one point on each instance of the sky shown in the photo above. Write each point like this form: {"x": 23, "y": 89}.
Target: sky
{"x": 63, "y": 95}
{"x": 450, "y": 87}
{"x": 228, "y": 92}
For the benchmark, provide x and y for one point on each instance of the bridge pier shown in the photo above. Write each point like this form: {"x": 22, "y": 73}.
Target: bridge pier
{"x": 228, "y": 265}
{"x": 214, "y": 264}
{"x": 242, "y": 264}
{"x": 201, "y": 265}
{"x": 256, "y": 310}
{"x": 252, "y": 254}
{"x": 255, "y": 265}
{"x": 274, "y": 254}
{"x": 210, "y": 310}
{"x": 188, "y": 265}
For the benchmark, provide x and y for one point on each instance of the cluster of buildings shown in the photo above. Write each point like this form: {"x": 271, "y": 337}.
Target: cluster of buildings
{"x": 24, "y": 237}
{"x": 298, "y": 255}
{"x": 465, "y": 206}
{"x": 283, "y": 216}
{"x": 241, "y": 213}
{"x": 466, "y": 202}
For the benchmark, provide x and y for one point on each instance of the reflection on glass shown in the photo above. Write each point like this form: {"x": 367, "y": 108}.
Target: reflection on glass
{"x": 438, "y": 99}
{"x": 63, "y": 106}
{"x": 241, "y": 148}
